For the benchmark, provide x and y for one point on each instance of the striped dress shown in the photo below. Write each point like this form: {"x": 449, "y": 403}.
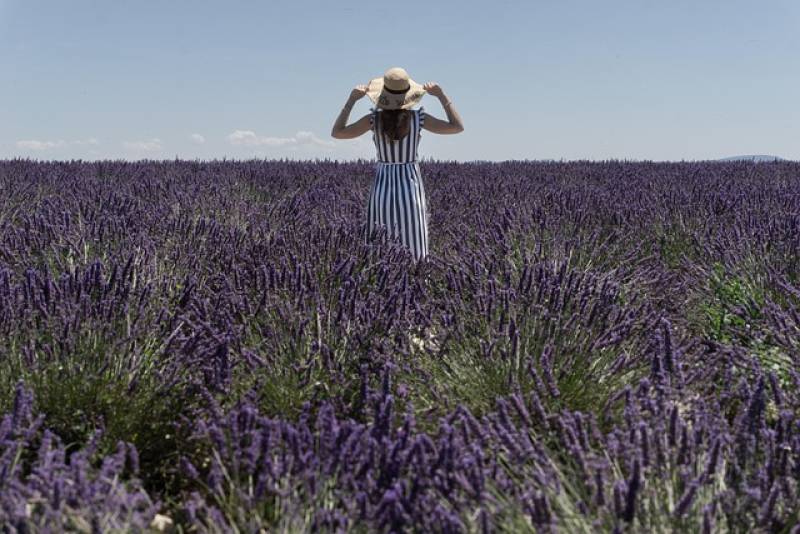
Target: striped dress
{"x": 397, "y": 196}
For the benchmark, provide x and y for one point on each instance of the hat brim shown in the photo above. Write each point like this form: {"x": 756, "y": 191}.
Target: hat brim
{"x": 386, "y": 100}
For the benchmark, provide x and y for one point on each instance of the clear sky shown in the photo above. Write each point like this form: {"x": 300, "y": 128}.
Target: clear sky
{"x": 556, "y": 79}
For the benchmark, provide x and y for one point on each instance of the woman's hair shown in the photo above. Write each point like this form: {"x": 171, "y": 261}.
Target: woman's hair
{"x": 396, "y": 123}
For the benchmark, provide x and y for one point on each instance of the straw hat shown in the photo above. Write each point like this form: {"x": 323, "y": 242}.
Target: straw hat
{"x": 395, "y": 90}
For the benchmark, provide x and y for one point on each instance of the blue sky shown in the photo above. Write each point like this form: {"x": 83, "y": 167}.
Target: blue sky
{"x": 666, "y": 80}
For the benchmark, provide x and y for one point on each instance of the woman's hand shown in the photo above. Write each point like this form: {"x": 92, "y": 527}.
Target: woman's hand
{"x": 432, "y": 88}
{"x": 358, "y": 92}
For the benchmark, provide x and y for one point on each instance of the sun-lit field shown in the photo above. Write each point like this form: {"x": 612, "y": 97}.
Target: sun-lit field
{"x": 589, "y": 347}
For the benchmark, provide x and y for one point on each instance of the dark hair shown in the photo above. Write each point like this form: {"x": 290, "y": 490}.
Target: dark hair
{"x": 396, "y": 123}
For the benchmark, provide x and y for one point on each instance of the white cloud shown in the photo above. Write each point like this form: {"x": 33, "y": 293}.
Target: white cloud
{"x": 197, "y": 139}
{"x": 249, "y": 138}
{"x": 33, "y": 144}
{"x": 305, "y": 138}
{"x": 89, "y": 142}
{"x": 152, "y": 145}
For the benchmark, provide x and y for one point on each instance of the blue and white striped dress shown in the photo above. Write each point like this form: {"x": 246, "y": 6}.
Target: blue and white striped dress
{"x": 397, "y": 196}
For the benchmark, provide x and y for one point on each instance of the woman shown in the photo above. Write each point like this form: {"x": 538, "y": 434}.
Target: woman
{"x": 397, "y": 196}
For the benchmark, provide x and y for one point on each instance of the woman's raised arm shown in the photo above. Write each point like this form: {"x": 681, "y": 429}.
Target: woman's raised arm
{"x": 361, "y": 126}
{"x": 453, "y": 124}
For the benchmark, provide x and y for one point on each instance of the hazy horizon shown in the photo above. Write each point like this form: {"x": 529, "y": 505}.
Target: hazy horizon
{"x": 423, "y": 160}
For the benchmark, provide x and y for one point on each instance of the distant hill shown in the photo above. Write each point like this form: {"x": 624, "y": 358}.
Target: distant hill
{"x": 759, "y": 157}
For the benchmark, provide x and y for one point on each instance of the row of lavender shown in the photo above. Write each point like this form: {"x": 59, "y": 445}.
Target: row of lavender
{"x": 591, "y": 346}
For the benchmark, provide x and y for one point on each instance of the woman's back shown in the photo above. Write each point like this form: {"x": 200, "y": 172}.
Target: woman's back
{"x": 403, "y": 150}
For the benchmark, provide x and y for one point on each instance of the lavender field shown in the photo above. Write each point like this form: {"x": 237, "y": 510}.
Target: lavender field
{"x": 590, "y": 347}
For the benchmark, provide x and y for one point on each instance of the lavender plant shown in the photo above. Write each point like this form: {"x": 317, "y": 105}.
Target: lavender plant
{"x": 591, "y": 346}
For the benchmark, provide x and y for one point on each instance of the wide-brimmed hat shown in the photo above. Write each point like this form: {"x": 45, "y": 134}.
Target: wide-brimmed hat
{"x": 395, "y": 90}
